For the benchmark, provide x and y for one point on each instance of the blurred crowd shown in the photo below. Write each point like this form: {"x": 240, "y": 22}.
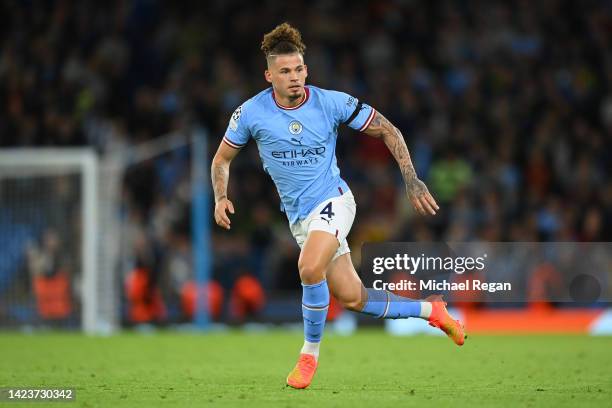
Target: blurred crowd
{"x": 506, "y": 108}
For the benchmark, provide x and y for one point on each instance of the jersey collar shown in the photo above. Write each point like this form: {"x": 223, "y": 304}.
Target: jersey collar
{"x": 306, "y": 96}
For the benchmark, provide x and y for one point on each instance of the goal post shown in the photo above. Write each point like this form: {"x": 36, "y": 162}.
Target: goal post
{"x": 41, "y": 166}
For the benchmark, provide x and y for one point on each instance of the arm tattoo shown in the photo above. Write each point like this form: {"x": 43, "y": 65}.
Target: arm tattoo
{"x": 382, "y": 128}
{"x": 220, "y": 174}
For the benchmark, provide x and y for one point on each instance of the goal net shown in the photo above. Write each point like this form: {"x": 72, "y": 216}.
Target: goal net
{"x": 48, "y": 232}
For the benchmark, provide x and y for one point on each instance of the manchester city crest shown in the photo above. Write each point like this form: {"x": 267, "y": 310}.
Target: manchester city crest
{"x": 295, "y": 127}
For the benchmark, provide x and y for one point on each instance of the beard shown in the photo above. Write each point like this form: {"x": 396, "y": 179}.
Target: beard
{"x": 295, "y": 96}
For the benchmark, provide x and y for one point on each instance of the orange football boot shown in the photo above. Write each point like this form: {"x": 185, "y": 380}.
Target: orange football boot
{"x": 301, "y": 375}
{"x": 441, "y": 319}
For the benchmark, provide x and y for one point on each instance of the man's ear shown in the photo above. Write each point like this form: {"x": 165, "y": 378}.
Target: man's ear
{"x": 306, "y": 70}
{"x": 268, "y": 76}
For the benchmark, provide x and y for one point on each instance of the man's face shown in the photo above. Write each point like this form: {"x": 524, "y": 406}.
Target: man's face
{"x": 287, "y": 74}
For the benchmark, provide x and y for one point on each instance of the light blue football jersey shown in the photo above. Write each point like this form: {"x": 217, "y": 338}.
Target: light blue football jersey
{"x": 297, "y": 145}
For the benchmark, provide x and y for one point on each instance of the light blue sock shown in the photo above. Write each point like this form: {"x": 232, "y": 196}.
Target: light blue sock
{"x": 315, "y": 301}
{"x": 386, "y": 305}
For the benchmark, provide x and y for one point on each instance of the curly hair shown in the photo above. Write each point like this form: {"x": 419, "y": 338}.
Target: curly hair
{"x": 284, "y": 39}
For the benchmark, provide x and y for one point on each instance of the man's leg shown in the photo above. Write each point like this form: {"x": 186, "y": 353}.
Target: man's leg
{"x": 346, "y": 286}
{"x": 316, "y": 255}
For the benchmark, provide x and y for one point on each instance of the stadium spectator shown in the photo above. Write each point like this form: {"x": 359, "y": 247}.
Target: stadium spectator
{"x": 50, "y": 277}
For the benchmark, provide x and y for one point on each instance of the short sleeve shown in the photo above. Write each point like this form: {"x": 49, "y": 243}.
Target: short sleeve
{"x": 351, "y": 112}
{"x": 237, "y": 134}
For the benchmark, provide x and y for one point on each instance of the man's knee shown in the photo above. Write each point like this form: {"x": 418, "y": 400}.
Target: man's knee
{"x": 311, "y": 273}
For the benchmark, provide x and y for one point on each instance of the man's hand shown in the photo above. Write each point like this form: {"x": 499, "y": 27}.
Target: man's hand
{"x": 421, "y": 199}
{"x": 221, "y": 216}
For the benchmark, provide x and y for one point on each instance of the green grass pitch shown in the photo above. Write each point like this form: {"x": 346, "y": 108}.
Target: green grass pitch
{"x": 368, "y": 369}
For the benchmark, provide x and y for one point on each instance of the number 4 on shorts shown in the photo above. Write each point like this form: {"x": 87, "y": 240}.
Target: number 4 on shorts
{"x": 327, "y": 210}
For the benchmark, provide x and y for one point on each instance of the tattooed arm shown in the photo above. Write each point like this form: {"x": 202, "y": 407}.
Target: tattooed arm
{"x": 219, "y": 173}
{"x": 417, "y": 191}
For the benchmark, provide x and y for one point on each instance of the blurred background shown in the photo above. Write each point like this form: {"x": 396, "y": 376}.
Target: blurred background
{"x": 506, "y": 108}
